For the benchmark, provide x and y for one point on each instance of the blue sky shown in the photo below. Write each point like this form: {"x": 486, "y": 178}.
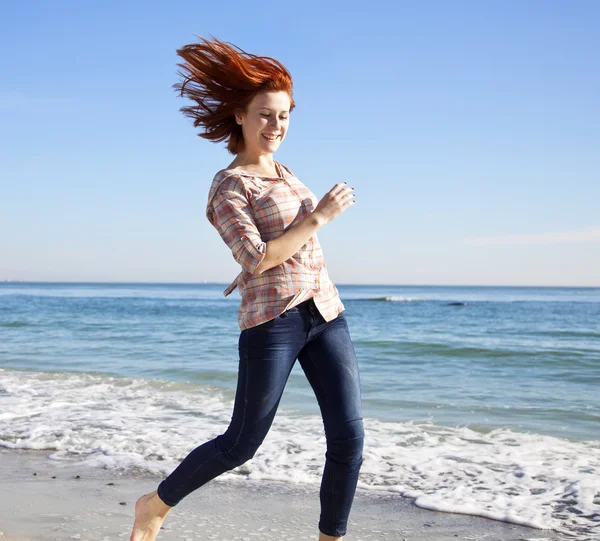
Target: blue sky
{"x": 469, "y": 130}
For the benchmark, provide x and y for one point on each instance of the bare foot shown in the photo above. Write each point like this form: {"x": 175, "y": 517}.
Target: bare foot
{"x": 150, "y": 512}
{"x": 323, "y": 537}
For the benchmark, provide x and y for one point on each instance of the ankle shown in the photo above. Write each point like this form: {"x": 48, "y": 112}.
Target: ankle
{"x": 158, "y": 506}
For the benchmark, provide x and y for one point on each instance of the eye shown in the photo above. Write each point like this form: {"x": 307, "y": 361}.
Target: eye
{"x": 281, "y": 117}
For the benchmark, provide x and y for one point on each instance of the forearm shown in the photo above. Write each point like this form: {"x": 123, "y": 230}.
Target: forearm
{"x": 282, "y": 248}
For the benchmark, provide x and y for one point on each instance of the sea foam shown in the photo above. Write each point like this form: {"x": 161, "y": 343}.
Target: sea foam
{"x": 150, "y": 425}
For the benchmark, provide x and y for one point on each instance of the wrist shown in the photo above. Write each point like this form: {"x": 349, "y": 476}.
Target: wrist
{"x": 318, "y": 219}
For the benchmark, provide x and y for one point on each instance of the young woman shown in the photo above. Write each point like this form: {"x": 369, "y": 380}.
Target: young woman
{"x": 289, "y": 309}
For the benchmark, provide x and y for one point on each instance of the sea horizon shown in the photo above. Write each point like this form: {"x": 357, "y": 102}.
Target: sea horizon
{"x": 348, "y": 284}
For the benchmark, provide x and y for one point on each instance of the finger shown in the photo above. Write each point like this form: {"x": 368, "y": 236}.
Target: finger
{"x": 338, "y": 186}
{"x": 345, "y": 192}
{"x": 342, "y": 189}
{"x": 346, "y": 199}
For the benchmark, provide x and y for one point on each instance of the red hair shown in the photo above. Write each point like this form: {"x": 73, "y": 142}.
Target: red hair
{"x": 222, "y": 79}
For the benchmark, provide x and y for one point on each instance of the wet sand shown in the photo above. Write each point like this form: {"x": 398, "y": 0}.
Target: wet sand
{"x": 43, "y": 500}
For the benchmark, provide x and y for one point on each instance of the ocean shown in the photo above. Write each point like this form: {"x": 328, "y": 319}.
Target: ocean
{"x": 476, "y": 400}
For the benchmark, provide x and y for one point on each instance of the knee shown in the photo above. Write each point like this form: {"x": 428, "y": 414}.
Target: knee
{"x": 346, "y": 446}
{"x": 234, "y": 454}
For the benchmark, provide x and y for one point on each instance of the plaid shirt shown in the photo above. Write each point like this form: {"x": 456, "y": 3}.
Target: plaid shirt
{"x": 248, "y": 210}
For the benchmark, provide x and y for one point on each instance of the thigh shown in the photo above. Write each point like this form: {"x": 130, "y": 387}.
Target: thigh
{"x": 264, "y": 368}
{"x": 330, "y": 364}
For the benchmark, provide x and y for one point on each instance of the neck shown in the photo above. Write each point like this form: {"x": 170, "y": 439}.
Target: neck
{"x": 263, "y": 164}
{"x": 260, "y": 161}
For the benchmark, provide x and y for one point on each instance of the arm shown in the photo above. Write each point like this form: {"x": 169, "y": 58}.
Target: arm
{"x": 334, "y": 202}
{"x": 285, "y": 246}
{"x": 231, "y": 215}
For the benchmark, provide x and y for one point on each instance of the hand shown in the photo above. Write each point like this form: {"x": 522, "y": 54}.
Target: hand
{"x": 334, "y": 202}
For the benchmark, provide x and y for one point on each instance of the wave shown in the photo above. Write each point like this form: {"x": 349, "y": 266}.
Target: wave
{"x": 394, "y": 298}
{"x": 404, "y": 349}
{"x": 567, "y": 334}
{"x": 389, "y": 298}
{"x": 14, "y": 324}
{"x": 151, "y": 425}
{"x": 472, "y": 299}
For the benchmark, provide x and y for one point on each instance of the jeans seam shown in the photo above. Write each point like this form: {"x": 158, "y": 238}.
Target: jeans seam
{"x": 245, "y": 391}
{"x": 243, "y": 418}
{"x": 333, "y": 476}
{"x": 335, "y": 519}
{"x": 318, "y": 376}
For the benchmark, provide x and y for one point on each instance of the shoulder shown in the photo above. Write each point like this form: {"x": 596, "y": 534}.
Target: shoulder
{"x": 229, "y": 179}
{"x": 226, "y": 180}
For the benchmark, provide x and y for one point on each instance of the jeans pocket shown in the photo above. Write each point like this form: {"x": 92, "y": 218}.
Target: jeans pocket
{"x": 266, "y": 325}
{"x": 272, "y": 322}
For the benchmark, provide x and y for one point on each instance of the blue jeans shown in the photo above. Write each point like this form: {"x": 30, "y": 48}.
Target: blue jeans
{"x": 267, "y": 354}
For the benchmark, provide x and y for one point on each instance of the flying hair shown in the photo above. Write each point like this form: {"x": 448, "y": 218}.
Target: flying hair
{"x": 221, "y": 79}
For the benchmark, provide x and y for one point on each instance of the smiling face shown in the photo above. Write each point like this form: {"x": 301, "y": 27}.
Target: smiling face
{"x": 265, "y": 122}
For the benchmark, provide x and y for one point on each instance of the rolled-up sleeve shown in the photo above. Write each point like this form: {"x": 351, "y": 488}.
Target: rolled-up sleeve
{"x": 231, "y": 215}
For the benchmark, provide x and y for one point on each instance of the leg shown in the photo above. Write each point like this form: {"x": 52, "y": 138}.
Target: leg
{"x": 330, "y": 365}
{"x": 265, "y": 364}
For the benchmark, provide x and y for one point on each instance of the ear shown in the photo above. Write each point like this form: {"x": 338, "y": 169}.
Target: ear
{"x": 238, "y": 117}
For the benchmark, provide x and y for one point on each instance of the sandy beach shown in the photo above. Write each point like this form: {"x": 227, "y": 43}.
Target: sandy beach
{"x": 44, "y": 500}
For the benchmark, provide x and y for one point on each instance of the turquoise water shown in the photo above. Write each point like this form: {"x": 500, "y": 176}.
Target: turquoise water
{"x": 476, "y": 400}
{"x": 524, "y": 358}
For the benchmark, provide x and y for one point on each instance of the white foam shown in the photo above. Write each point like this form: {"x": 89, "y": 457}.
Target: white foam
{"x": 134, "y": 424}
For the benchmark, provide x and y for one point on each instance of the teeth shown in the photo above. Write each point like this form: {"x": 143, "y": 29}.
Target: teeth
{"x": 271, "y": 137}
